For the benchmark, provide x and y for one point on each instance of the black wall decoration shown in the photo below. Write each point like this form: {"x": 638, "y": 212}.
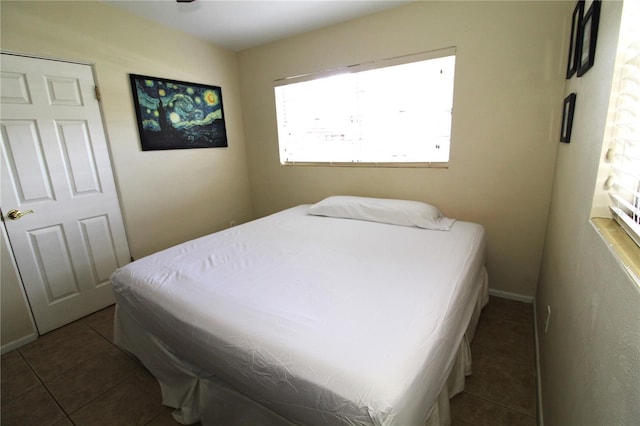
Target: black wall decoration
{"x": 582, "y": 54}
{"x": 584, "y": 34}
{"x": 567, "y": 117}
{"x": 572, "y": 64}
{"x": 588, "y": 35}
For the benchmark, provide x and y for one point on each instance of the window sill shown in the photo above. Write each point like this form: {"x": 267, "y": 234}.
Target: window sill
{"x": 622, "y": 246}
{"x": 433, "y": 165}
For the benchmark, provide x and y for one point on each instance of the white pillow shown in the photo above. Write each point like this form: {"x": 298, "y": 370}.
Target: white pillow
{"x": 395, "y": 212}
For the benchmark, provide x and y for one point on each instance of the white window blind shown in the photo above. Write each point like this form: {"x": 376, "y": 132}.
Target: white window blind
{"x": 624, "y": 178}
{"x": 389, "y": 111}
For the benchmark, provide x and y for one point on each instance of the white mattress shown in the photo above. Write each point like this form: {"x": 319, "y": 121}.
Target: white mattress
{"x": 321, "y": 320}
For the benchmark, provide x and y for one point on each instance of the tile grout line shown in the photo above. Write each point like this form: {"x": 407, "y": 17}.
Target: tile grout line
{"x": 506, "y": 407}
{"x": 155, "y": 417}
{"x": 107, "y": 390}
{"x": 97, "y": 397}
{"x": 15, "y": 397}
{"x": 46, "y": 388}
{"x": 128, "y": 355}
{"x": 134, "y": 359}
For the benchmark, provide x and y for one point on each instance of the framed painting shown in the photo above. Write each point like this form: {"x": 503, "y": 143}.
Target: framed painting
{"x": 586, "y": 54}
{"x": 574, "y": 43}
{"x": 568, "y": 108}
{"x": 178, "y": 115}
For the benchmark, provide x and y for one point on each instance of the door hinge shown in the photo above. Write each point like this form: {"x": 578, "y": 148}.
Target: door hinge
{"x": 98, "y": 97}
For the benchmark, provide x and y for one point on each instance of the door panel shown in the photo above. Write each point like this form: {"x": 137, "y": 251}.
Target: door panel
{"x": 14, "y": 88}
{"x": 53, "y": 261}
{"x": 55, "y": 162}
{"x": 63, "y": 90}
{"x": 26, "y": 160}
{"x": 78, "y": 156}
{"x": 101, "y": 248}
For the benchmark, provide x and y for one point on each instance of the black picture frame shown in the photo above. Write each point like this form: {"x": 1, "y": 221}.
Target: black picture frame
{"x": 574, "y": 44}
{"x": 174, "y": 114}
{"x": 588, "y": 37}
{"x": 568, "y": 109}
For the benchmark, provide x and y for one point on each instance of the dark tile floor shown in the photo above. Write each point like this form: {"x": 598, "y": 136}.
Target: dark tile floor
{"x": 502, "y": 389}
{"x": 76, "y": 376}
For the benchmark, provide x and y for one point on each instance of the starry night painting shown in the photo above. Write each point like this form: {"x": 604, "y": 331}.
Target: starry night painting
{"x": 176, "y": 115}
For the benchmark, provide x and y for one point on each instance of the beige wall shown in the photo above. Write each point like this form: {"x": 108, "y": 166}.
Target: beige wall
{"x": 508, "y": 93}
{"x": 590, "y": 355}
{"x": 167, "y": 196}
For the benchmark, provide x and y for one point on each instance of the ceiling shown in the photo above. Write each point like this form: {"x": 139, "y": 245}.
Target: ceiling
{"x": 242, "y": 24}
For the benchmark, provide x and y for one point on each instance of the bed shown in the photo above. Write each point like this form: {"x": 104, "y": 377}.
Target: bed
{"x": 352, "y": 311}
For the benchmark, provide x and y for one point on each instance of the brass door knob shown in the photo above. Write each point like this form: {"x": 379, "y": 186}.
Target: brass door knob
{"x": 17, "y": 214}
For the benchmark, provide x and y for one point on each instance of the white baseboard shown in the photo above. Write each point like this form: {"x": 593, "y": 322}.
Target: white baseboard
{"x": 17, "y": 343}
{"x": 540, "y": 414}
{"x": 511, "y": 296}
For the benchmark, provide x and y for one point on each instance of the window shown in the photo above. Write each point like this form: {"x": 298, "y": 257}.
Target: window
{"x": 616, "y": 196}
{"x": 624, "y": 153}
{"x": 389, "y": 112}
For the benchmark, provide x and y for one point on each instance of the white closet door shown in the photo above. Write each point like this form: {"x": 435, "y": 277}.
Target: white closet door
{"x": 59, "y": 201}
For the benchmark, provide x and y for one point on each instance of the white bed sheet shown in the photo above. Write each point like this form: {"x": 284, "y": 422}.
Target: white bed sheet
{"x": 321, "y": 320}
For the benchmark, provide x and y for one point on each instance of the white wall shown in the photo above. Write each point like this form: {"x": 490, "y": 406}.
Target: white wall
{"x": 590, "y": 355}
{"x": 510, "y": 68}
{"x": 167, "y": 196}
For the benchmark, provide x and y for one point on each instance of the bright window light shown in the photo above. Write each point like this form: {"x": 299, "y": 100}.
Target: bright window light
{"x": 624, "y": 121}
{"x": 378, "y": 113}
